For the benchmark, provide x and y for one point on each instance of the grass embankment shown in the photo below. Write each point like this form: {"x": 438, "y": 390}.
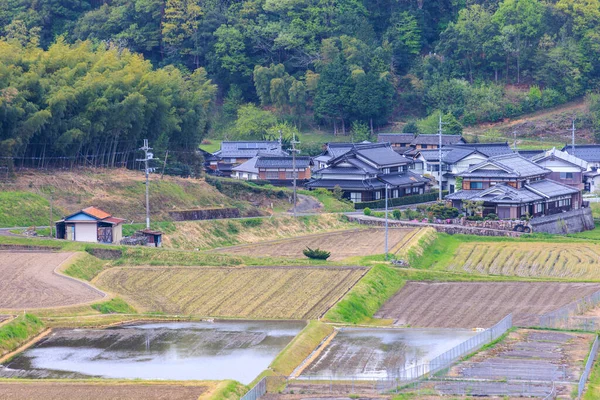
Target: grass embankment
{"x": 300, "y": 348}
{"x": 330, "y": 203}
{"x": 84, "y": 266}
{"x": 593, "y": 385}
{"x": 226, "y": 390}
{"x": 114, "y": 306}
{"x": 367, "y": 296}
{"x": 118, "y": 191}
{"x": 210, "y": 234}
{"x": 19, "y": 331}
{"x": 20, "y": 208}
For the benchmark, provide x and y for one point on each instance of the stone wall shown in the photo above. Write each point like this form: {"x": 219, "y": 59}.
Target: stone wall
{"x": 209, "y": 213}
{"x": 450, "y": 229}
{"x": 563, "y": 223}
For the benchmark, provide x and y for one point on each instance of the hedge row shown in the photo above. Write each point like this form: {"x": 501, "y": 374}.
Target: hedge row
{"x": 401, "y": 201}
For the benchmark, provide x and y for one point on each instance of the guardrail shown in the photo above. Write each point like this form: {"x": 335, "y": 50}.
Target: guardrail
{"x": 446, "y": 359}
{"x": 588, "y": 368}
{"x": 257, "y": 391}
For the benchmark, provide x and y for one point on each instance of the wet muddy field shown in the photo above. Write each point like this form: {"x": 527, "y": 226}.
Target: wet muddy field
{"x": 179, "y": 351}
{"x": 378, "y": 353}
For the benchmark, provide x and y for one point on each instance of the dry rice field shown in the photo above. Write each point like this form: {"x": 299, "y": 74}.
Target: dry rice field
{"x": 479, "y": 304}
{"x": 344, "y": 244}
{"x": 28, "y": 280}
{"x": 98, "y": 391}
{"x": 250, "y": 292}
{"x": 529, "y": 259}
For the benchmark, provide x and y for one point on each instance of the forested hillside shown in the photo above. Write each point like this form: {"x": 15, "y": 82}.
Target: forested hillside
{"x": 72, "y": 82}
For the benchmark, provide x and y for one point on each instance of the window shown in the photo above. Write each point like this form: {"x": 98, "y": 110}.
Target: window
{"x": 289, "y": 175}
{"x": 272, "y": 175}
{"x": 538, "y": 208}
{"x": 386, "y": 170}
{"x": 394, "y": 169}
{"x": 564, "y": 203}
{"x": 377, "y": 195}
{"x": 395, "y": 193}
{"x": 476, "y": 185}
{"x": 566, "y": 175}
{"x": 356, "y": 197}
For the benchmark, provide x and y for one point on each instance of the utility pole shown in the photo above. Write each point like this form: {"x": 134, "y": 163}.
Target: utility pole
{"x": 145, "y": 149}
{"x": 573, "y": 135}
{"x": 440, "y": 155}
{"x": 386, "y": 221}
{"x": 294, "y": 143}
{"x": 51, "y": 217}
{"x": 162, "y": 175}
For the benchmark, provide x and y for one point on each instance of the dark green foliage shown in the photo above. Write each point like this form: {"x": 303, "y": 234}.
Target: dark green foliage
{"x": 396, "y": 214}
{"x": 401, "y": 201}
{"x": 316, "y": 254}
{"x": 251, "y": 222}
{"x": 367, "y": 211}
{"x": 441, "y": 211}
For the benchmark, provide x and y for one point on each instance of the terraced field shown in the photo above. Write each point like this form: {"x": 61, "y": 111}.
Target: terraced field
{"x": 252, "y": 292}
{"x": 479, "y": 304}
{"x": 344, "y": 244}
{"x": 529, "y": 259}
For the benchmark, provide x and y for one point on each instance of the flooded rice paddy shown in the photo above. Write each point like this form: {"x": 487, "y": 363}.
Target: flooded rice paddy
{"x": 179, "y": 351}
{"x": 379, "y": 353}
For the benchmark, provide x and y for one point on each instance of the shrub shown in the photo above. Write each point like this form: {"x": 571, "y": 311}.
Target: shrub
{"x": 367, "y": 211}
{"x": 491, "y": 217}
{"x": 441, "y": 211}
{"x": 400, "y": 201}
{"x": 316, "y": 254}
{"x": 396, "y": 214}
{"x": 474, "y": 218}
{"x": 338, "y": 192}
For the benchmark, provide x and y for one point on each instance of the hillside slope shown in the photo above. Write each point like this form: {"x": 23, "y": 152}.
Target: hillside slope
{"x": 24, "y": 199}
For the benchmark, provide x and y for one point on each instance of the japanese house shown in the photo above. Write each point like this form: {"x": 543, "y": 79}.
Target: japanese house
{"x": 512, "y": 186}
{"x": 334, "y": 150}
{"x": 409, "y": 144}
{"x": 566, "y": 168}
{"x": 276, "y": 169}
{"x": 365, "y": 170}
{"x": 90, "y": 225}
{"x": 233, "y": 154}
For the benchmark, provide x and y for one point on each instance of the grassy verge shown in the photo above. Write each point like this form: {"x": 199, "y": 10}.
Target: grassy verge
{"x": 593, "y": 385}
{"x": 227, "y": 390}
{"x": 367, "y": 296}
{"x": 330, "y": 203}
{"x": 24, "y": 209}
{"x": 85, "y": 266}
{"x": 18, "y": 331}
{"x": 114, "y": 306}
{"x": 301, "y": 347}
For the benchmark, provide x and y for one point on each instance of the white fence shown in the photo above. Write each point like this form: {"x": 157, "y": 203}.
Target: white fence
{"x": 257, "y": 391}
{"x": 588, "y": 368}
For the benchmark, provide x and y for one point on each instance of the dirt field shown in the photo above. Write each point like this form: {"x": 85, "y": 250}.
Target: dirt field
{"x": 98, "y": 391}
{"x": 27, "y": 280}
{"x": 253, "y": 292}
{"x": 558, "y": 260}
{"x": 350, "y": 243}
{"x": 479, "y": 304}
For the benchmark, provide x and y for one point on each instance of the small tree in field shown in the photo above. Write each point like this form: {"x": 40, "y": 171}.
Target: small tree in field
{"x": 338, "y": 192}
{"x": 316, "y": 254}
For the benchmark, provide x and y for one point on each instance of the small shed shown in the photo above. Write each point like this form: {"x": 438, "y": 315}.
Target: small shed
{"x": 154, "y": 237}
{"x": 90, "y": 224}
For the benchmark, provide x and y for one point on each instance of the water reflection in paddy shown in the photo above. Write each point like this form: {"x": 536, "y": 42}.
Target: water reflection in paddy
{"x": 181, "y": 351}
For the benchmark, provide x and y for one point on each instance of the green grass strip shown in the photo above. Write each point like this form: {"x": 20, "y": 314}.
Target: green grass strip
{"x": 18, "y": 331}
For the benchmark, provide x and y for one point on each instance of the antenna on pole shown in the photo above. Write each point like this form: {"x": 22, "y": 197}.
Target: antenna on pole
{"x": 147, "y": 157}
{"x": 294, "y": 151}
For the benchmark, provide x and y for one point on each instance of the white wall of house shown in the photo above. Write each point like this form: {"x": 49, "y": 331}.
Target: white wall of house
{"x": 558, "y": 165}
{"x": 86, "y": 232}
{"x": 594, "y": 184}
{"x": 117, "y": 233}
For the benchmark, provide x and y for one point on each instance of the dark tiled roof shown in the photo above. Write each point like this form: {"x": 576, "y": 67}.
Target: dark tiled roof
{"x": 530, "y": 153}
{"x": 487, "y": 149}
{"x": 395, "y": 138}
{"x": 587, "y": 152}
{"x": 551, "y": 188}
{"x": 381, "y": 155}
{"x": 282, "y": 162}
{"x": 248, "y": 149}
{"x": 346, "y": 184}
{"x": 406, "y": 178}
{"x": 509, "y": 166}
{"x": 434, "y": 139}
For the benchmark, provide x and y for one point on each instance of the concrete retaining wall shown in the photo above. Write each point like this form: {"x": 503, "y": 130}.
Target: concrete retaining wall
{"x": 210, "y": 213}
{"x": 563, "y": 223}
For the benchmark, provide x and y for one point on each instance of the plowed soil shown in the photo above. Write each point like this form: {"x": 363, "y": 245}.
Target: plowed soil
{"x": 350, "y": 243}
{"x": 28, "y": 280}
{"x": 77, "y": 391}
{"x": 479, "y": 304}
